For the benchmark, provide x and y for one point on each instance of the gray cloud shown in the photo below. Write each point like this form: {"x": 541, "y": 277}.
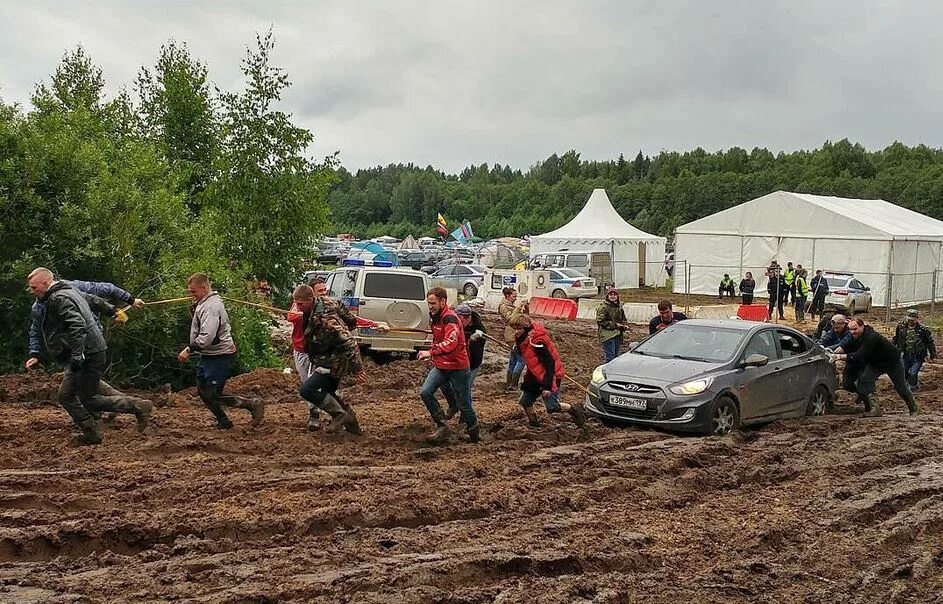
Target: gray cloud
{"x": 454, "y": 83}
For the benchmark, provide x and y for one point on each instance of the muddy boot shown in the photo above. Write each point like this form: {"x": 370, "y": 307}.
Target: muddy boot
{"x": 474, "y": 433}
{"x": 90, "y": 433}
{"x": 314, "y": 419}
{"x": 142, "y": 412}
{"x": 871, "y": 408}
{"x": 350, "y": 423}
{"x": 338, "y": 416}
{"x": 532, "y": 418}
{"x": 911, "y": 405}
{"x": 442, "y": 433}
{"x": 257, "y": 409}
{"x": 515, "y": 380}
{"x": 579, "y": 417}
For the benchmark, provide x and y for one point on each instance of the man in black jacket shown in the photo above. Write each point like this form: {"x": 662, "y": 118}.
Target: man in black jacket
{"x": 819, "y": 287}
{"x": 73, "y": 338}
{"x": 915, "y": 341}
{"x": 875, "y": 355}
{"x": 778, "y": 290}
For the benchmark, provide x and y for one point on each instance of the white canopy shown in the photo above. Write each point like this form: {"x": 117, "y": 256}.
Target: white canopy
{"x": 409, "y": 243}
{"x": 637, "y": 257}
{"x": 881, "y": 243}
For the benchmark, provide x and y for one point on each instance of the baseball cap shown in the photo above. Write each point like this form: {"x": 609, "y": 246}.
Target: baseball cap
{"x": 912, "y": 312}
{"x": 837, "y": 318}
{"x": 463, "y": 310}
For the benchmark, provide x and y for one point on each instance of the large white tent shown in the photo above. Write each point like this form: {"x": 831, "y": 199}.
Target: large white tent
{"x": 636, "y": 255}
{"x": 894, "y": 251}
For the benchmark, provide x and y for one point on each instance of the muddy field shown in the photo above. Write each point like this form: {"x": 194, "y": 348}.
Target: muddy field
{"x": 832, "y": 509}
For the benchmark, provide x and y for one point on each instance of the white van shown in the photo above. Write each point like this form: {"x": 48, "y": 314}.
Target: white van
{"x": 394, "y": 295}
{"x": 597, "y": 265}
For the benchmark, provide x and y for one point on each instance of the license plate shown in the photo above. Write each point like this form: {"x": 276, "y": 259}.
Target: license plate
{"x": 369, "y": 331}
{"x": 628, "y": 403}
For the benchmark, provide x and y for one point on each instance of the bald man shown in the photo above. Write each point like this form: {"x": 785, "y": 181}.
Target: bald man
{"x": 74, "y": 339}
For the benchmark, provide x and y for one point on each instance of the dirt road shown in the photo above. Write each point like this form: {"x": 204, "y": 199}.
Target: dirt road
{"x": 831, "y": 509}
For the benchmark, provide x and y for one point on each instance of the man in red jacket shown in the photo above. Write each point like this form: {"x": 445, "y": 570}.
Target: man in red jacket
{"x": 449, "y": 354}
{"x": 544, "y": 371}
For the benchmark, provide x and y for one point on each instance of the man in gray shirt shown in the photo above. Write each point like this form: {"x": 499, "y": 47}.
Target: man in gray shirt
{"x": 211, "y": 338}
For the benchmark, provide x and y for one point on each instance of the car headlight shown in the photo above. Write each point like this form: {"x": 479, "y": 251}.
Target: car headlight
{"x": 598, "y": 377}
{"x": 692, "y": 387}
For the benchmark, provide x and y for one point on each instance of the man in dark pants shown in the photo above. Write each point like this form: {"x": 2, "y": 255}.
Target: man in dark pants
{"x": 874, "y": 355}
{"x": 777, "y": 290}
{"x": 333, "y": 354}
{"x": 819, "y": 287}
{"x": 449, "y": 355}
{"x": 211, "y": 337}
{"x": 915, "y": 341}
{"x": 72, "y": 337}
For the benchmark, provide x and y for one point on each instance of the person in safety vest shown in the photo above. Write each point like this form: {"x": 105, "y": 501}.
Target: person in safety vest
{"x": 789, "y": 276}
{"x": 727, "y": 286}
{"x": 802, "y": 295}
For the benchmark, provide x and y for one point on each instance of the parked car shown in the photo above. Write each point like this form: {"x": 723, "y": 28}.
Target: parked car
{"x": 846, "y": 291}
{"x": 568, "y": 283}
{"x": 332, "y": 254}
{"x": 597, "y": 265}
{"x": 389, "y": 294}
{"x": 466, "y": 278}
{"x": 713, "y": 376}
{"x": 416, "y": 259}
{"x": 445, "y": 263}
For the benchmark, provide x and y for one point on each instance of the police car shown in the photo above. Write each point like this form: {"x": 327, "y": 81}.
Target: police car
{"x": 845, "y": 290}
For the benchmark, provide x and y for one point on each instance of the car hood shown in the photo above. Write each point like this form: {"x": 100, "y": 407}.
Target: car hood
{"x": 654, "y": 370}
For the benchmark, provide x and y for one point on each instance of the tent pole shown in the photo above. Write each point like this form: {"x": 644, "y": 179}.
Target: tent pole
{"x": 890, "y": 282}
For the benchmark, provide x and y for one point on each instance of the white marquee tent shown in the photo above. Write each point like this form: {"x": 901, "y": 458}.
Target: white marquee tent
{"x": 894, "y": 251}
{"x": 636, "y": 255}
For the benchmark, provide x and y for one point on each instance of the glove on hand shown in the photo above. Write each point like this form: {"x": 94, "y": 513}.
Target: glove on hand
{"x": 477, "y": 335}
{"x": 322, "y": 370}
{"x": 121, "y": 317}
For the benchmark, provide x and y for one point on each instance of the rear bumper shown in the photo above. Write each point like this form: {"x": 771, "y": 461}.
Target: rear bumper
{"x": 393, "y": 344}
{"x": 582, "y": 292}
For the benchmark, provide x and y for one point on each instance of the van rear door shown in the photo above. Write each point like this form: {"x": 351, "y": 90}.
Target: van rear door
{"x": 396, "y": 297}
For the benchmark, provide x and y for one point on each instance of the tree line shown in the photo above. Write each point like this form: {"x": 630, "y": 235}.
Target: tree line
{"x": 655, "y": 193}
{"x": 171, "y": 177}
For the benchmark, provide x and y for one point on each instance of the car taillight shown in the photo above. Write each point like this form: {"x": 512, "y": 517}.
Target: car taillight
{"x": 577, "y": 284}
{"x": 841, "y": 292}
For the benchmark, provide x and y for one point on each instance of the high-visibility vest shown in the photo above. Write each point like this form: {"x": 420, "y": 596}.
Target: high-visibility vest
{"x": 802, "y": 288}
{"x": 789, "y": 276}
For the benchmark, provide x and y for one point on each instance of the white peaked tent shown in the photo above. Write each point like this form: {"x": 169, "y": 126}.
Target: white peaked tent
{"x": 637, "y": 257}
{"x": 408, "y": 244}
{"x": 881, "y": 243}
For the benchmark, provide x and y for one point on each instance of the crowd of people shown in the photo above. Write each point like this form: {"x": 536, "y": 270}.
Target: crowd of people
{"x": 66, "y": 328}
{"x": 789, "y": 286}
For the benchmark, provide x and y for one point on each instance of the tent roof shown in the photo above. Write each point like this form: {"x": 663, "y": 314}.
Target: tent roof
{"x": 597, "y": 220}
{"x": 785, "y": 213}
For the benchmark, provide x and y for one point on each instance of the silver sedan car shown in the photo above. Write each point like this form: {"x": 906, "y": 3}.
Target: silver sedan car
{"x": 713, "y": 376}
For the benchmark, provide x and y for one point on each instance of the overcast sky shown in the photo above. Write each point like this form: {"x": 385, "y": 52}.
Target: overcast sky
{"x": 455, "y": 83}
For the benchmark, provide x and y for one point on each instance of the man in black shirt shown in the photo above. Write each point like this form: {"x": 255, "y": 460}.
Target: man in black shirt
{"x": 665, "y": 317}
{"x": 876, "y": 355}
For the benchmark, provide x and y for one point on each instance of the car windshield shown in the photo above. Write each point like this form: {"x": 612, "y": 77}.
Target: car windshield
{"x": 569, "y": 273}
{"x": 692, "y": 342}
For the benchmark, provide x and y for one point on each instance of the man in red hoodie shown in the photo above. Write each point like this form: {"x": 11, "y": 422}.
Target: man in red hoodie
{"x": 302, "y": 300}
{"x": 449, "y": 354}
{"x": 544, "y": 371}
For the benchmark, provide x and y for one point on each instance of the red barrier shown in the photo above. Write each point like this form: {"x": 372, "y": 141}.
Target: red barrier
{"x": 555, "y": 308}
{"x": 752, "y": 312}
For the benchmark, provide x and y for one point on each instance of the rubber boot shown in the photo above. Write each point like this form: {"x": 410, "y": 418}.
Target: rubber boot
{"x": 911, "y": 405}
{"x": 579, "y": 417}
{"x": 314, "y": 419}
{"x": 338, "y": 416}
{"x": 532, "y": 418}
{"x": 90, "y": 433}
{"x": 210, "y": 397}
{"x": 474, "y": 433}
{"x": 871, "y": 408}
{"x": 515, "y": 380}
{"x": 254, "y": 406}
{"x": 350, "y": 422}
{"x": 142, "y": 412}
{"x": 442, "y": 433}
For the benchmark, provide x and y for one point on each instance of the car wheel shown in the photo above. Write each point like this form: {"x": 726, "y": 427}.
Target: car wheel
{"x": 818, "y": 401}
{"x": 868, "y": 308}
{"x": 558, "y": 293}
{"x": 470, "y": 290}
{"x": 724, "y": 416}
{"x": 851, "y": 309}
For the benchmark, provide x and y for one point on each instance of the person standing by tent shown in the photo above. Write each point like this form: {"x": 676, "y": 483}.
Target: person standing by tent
{"x": 789, "y": 276}
{"x": 747, "y": 285}
{"x": 508, "y": 309}
{"x": 915, "y": 342}
{"x": 819, "y": 287}
{"x": 777, "y": 289}
{"x": 802, "y": 294}
{"x": 611, "y": 324}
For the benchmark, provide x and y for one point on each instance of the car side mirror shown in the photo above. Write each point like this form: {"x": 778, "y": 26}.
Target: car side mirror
{"x": 755, "y": 360}
{"x": 633, "y": 345}
{"x": 867, "y": 289}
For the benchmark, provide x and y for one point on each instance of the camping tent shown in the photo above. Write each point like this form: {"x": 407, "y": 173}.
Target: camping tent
{"x": 497, "y": 254}
{"x": 894, "y": 251}
{"x": 371, "y": 250}
{"x": 409, "y": 243}
{"x": 637, "y": 257}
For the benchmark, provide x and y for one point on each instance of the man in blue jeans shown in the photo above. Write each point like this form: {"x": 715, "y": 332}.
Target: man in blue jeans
{"x": 915, "y": 342}
{"x": 449, "y": 356}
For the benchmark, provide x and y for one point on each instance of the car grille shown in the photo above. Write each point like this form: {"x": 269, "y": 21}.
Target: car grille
{"x": 634, "y": 388}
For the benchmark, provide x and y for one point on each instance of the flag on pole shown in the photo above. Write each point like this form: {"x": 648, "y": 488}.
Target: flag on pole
{"x": 459, "y": 235}
{"x": 467, "y": 230}
{"x": 441, "y": 225}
